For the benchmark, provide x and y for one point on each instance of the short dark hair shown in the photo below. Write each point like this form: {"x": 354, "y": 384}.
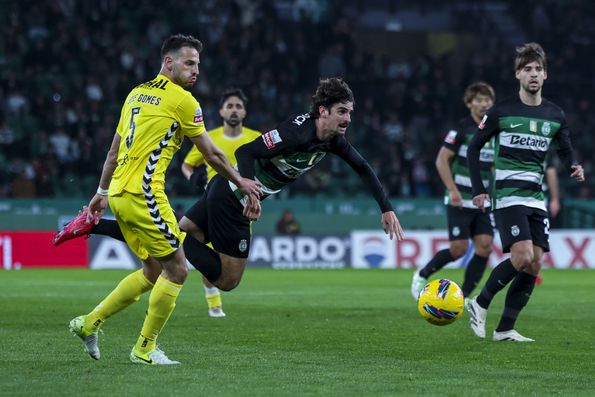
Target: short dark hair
{"x": 330, "y": 91}
{"x": 177, "y": 41}
{"x": 528, "y": 53}
{"x": 478, "y": 88}
{"x": 233, "y": 92}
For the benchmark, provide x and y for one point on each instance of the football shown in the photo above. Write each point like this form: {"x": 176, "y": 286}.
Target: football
{"x": 441, "y": 302}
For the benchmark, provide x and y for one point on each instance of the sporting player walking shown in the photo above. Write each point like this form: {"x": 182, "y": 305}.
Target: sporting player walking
{"x": 524, "y": 125}
{"x": 464, "y": 219}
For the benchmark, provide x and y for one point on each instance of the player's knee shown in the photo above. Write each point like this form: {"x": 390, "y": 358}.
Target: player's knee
{"x": 152, "y": 274}
{"x": 535, "y": 267}
{"x": 458, "y": 250}
{"x": 228, "y": 283}
{"x": 178, "y": 273}
{"x": 483, "y": 250}
{"x": 151, "y": 269}
{"x": 522, "y": 260}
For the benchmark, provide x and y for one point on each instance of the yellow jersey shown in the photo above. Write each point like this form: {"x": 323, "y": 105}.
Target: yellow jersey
{"x": 153, "y": 122}
{"x": 229, "y": 145}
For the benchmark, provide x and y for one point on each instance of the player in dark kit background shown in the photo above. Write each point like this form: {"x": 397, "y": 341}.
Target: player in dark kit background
{"x": 464, "y": 219}
{"x": 524, "y": 125}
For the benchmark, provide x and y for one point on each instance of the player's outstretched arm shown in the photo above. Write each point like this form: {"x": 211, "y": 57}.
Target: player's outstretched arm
{"x": 98, "y": 203}
{"x": 391, "y": 225}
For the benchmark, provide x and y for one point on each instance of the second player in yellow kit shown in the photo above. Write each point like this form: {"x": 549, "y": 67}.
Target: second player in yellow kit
{"x": 230, "y": 136}
{"x": 228, "y": 144}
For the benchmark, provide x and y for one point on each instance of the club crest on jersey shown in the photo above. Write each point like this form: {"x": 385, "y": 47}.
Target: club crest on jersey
{"x": 482, "y": 124}
{"x": 451, "y": 137}
{"x": 198, "y": 116}
{"x": 546, "y": 128}
{"x": 271, "y": 138}
{"x": 514, "y": 230}
{"x": 456, "y": 231}
{"x": 243, "y": 245}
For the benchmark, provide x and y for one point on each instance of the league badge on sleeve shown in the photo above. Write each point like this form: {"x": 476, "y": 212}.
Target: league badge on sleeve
{"x": 451, "y": 137}
{"x": 482, "y": 125}
{"x": 271, "y": 138}
{"x": 198, "y": 116}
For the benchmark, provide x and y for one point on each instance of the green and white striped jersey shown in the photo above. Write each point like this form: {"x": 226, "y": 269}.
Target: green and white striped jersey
{"x": 458, "y": 141}
{"x": 523, "y": 136}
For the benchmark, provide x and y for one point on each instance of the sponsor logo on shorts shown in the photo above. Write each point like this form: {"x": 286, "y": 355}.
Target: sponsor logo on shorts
{"x": 271, "y": 138}
{"x": 243, "y": 245}
{"x": 515, "y": 231}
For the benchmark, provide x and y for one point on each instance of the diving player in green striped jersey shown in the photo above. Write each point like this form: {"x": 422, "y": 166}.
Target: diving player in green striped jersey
{"x": 524, "y": 125}
{"x": 464, "y": 219}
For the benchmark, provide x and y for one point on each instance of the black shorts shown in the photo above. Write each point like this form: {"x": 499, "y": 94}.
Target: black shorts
{"x": 219, "y": 215}
{"x": 464, "y": 223}
{"x": 518, "y": 223}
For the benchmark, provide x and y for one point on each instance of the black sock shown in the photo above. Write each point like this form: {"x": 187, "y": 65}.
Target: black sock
{"x": 473, "y": 273}
{"x": 441, "y": 259}
{"x": 108, "y": 227}
{"x": 517, "y": 297}
{"x": 204, "y": 259}
{"x": 499, "y": 278}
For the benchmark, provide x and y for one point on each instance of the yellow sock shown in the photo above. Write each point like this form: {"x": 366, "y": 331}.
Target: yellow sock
{"x": 161, "y": 305}
{"x": 214, "y": 299}
{"x": 126, "y": 292}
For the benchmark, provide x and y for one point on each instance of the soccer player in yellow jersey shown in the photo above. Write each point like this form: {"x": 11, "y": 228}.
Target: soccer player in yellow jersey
{"x": 230, "y": 136}
{"x": 154, "y": 120}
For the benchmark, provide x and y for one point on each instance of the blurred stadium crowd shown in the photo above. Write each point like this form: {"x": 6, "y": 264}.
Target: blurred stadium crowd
{"x": 67, "y": 65}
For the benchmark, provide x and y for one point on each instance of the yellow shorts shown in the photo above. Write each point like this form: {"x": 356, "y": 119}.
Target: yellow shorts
{"x": 150, "y": 228}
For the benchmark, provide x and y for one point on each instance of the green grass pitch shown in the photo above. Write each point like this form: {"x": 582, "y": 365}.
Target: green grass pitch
{"x": 295, "y": 333}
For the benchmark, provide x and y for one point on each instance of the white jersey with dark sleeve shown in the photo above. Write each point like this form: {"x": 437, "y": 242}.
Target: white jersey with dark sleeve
{"x": 280, "y": 156}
